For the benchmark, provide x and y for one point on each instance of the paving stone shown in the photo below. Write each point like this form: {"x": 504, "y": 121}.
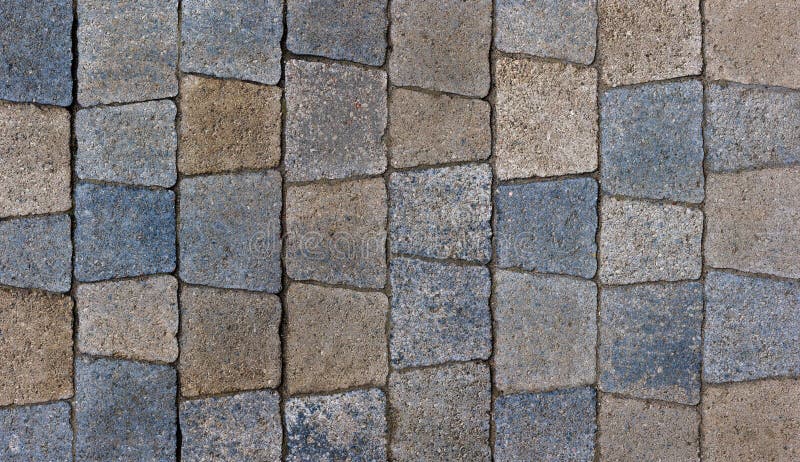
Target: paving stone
{"x": 240, "y": 39}
{"x": 546, "y": 118}
{"x": 548, "y": 227}
{"x": 753, "y": 42}
{"x": 545, "y": 332}
{"x": 751, "y": 328}
{"x": 352, "y": 30}
{"x": 348, "y": 426}
{"x": 434, "y": 129}
{"x": 336, "y": 233}
{"x": 633, "y": 430}
{"x": 650, "y": 341}
{"x": 752, "y": 421}
{"x": 246, "y": 426}
{"x": 642, "y": 241}
{"x": 548, "y": 28}
{"x": 135, "y": 319}
{"x": 124, "y": 411}
{"x": 752, "y": 221}
{"x": 558, "y": 425}
{"x": 123, "y": 231}
{"x": 35, "y": 347}
{"x": 442, "y": 212}
{"x": 652, "y": 141}
{"x": 229, "y": 341}
{"x": 36, "y": 62}
{"x": 124, "y": 57}
{"x": 335, "y": 121}
{"x": 36, "y": 433}
{"x": 132, "y": 144}
{"x": 335, "y": 338}
{"x": 751, "y": 127}
{"x": 34, "y": 147}
{"x": 36, "y": 252}
{"x": 441, "y": 413}
{"x": 648, "y": 40}
{"x": 440, "y": 313}
{"x": 441, "y": 45}
{"x": 228, "y": 125}
{"x": 230, "y": 231}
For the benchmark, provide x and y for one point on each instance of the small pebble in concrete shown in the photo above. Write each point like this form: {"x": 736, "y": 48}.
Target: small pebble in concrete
{"x": 36, "y": 433}
{"x": 36, "y": 252}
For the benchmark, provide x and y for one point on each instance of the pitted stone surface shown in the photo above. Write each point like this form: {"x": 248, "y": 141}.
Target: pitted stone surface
{"x": 36, "y": 252}
{"x": 36, "y": 433}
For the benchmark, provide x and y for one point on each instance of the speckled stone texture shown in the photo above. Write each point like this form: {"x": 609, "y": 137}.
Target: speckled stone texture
{"x": 352, "y": 30}
{"x": 632, "y": 431}
{"x": 440, "y": 313}
{"x": 548, "y": 226}
{"x": 234, "y": 428}
{"x": 429, "y": 129}
{"x": 336, "y": 233}
{"x": 35, "y": 347}
{"x": 646, "y": 40}
{"x": 229, "y": 341}
{"x": 132, "y": 144}
{"x": 650, "y": 341}
{"x": 230, "y": 229}
{"x": 124, "y": 411}
{"x": 349, "y": 426}
{"x": 545, "y": 332}
{"x": 440, "y": 413}
{"x": 558, "y": 425}
{"x": 123, "y": 231}
{"x": 752, "y": 421}
{"x": 644, "y": 241}
{"x": 128, "y": 50}
{"x": 752, "y": 221}
{"x": 751, "y": 328}
{"x": 547, "y": 28}
{"x": 36, "y": 252}
{"x": 335, "y": 121}
{"x": 238, "y": 39}
{"x": 441, "y": 45}
{"x": 753, "y": 42}
{"x": 334, "y": 338}
{"x": 442, "y": 212}
{"x": 652, "y": 141}
{"x": 36, "y": 433}
{"x": 751, "y": 127}
{"x": 135, "y": 319}
{"x": 36, "y": 57}
{"x": 546, "y": 118}
{"x": 34, "y": 149}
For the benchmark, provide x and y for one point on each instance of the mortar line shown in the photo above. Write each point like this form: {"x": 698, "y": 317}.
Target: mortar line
{"x": 597, "y": 64}
{"x": 703, "y": 263}
{"x": 388, "y": 244}
{"x": 178, "y": 101}
{"x": 73, "y": 150}
{"x": 281, "y": 388}
{"x": 492, "y": 264}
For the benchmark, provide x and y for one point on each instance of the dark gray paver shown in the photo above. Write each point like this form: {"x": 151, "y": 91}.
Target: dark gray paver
{"x": 547, "y": 28}
{"x": 123, "y": 231}
{"x": 751, "y": 328}
{"x": 124, "y": 411}
{"x": 554, "y": 426}
{"x": 548, "y": 226}
{"x": 352, "y": 30}
{"x": 36, "y": 58}
{"x": 442, "y": 212}
{"x": 650, "y": 341}
{"x": 440, "y": 312}
{"x": 651, "y": 141}
{"x": 36, "y": 252}
{"x": 132, "y": 144}
{"x": 230, "y": 231}
{"x": 240, "y": 39}
{"x": 128, "y": 50}
{"x": 242, "y": 427}
{"x": 36, "y": 433}
{"x": 348, "y": 426}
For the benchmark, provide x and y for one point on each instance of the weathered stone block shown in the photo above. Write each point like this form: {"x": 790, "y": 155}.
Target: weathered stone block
{"x": 36, "y": 252}
{"x": 36, "y": 433}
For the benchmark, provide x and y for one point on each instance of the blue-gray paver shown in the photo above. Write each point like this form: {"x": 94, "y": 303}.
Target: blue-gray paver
{"x": 123, "y": 231}
{"x": 36, "y": 433}
{"x": 651, "y": 143}
{"x": 548, "y": 226}
{"x": 36, "y": 252}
